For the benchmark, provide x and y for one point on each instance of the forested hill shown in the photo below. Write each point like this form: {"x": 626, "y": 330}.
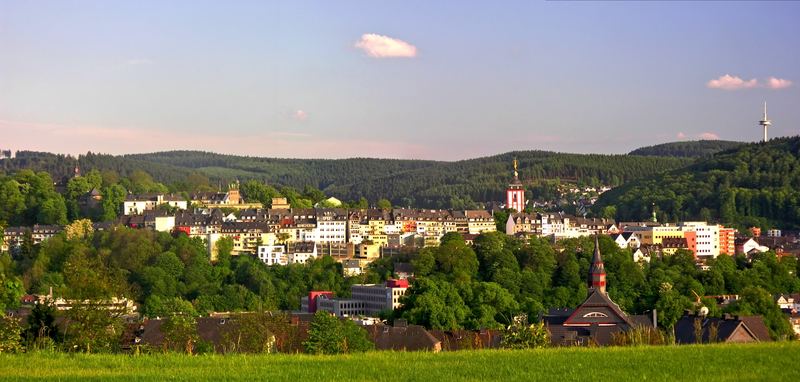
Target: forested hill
{"x": 687, "y": 149}
{"x": 419, "y": 183}
{"x": 756, "y": 184}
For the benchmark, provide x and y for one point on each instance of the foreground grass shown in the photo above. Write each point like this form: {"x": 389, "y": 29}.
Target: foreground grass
{"x": 774, "y": 361}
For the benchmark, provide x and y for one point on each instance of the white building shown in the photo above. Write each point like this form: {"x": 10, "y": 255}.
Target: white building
{"x": 707, "y": 238}
{"x": 331, "y": 226}
{"x": 273, "y": 254}
{"x": 138, "y": 204}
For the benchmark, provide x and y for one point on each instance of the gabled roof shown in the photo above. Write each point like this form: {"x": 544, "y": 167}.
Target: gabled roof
{"x": 600, "y": 303}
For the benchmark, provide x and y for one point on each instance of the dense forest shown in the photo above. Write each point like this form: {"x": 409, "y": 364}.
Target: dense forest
{"x": 430, "y": 184}
{"x": 687, "y": 149}
{"x": 456, "y": 285}
{"x": 756, "y": 184}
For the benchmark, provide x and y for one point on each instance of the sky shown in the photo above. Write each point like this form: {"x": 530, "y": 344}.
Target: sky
{"x": 443, "y": 80}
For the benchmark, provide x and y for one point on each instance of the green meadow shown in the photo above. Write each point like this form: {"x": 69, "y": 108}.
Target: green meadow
{"x": 751, "y": 362}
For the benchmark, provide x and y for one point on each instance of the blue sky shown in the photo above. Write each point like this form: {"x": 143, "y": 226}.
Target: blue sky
{"x": 412, "y": 79}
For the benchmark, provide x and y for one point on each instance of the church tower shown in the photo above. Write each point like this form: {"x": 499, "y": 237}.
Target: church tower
{"x": 515, "y": 194}
{"x": 597, "y": 271}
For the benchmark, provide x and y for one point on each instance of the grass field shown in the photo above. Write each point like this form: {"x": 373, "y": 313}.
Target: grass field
{"x": 772, "y": 362}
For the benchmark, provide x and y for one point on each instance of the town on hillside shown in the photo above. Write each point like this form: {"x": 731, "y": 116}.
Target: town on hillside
{"x": 356, "y": 238}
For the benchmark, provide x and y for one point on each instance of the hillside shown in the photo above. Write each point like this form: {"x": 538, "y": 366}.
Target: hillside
{"x": 756, "y": 183}
{"x": 728, "y": 362}
{"x": 420, "y": 183}
{"x": 687, "y": 149}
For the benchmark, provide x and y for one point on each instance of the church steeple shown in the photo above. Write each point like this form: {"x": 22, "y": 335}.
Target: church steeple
{"x": 597, "y": 271}
{"x": 515, "y": 194}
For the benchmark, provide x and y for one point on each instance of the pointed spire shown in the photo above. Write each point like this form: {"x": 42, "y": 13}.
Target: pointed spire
{"x": 597, "y": 271}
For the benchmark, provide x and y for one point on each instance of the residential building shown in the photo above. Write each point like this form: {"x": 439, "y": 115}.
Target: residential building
{"x": 273, "y": 254}
{"x": 727, "y": 241}
{"x": 138, "y": 204}
{"x": 626, "y": 240}
{"x": 300, "y": 252}
{"x": 728, "y": 329}
{"x": 596, "y": 319}
{"x": 14, "y": 237}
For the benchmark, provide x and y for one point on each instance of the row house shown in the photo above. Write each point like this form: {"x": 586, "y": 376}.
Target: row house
{"x": 14, "y": 237}
{"x": 299, "y": 252}
{"x": 246, "y": 237}
{"x": 138, "y": 204}
{"x": 557, "y": 225}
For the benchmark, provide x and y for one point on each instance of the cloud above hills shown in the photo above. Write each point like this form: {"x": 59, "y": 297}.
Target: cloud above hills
{"x": 729, "y": 82}
{"x": 380, "y": 46}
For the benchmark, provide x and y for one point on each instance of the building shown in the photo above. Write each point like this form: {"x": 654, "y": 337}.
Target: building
{"x": 379, "y": 298}
{"x": 626, "y": 240}
{"x": 300, "y": 252}
{"x": 273, "y": 254}
{"x": 280, "y": 204}
{"x": 727, "y": 241}
{"x": 309, "y": 304}
{"x": 365, "y": 300}
{"x": 515, "y": 193}
{"x": 138, "y": 204}
{"x": 692, "y": 329}
{"x": 14, "y": 237}
{"x": 597, "y": 319}
{"x": 748, "y": 246}
{"x": 403, "y": 337}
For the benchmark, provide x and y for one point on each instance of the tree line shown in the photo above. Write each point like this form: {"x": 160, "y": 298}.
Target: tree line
{"x": 754, "y": 185}
{"x": 416, "y": 183}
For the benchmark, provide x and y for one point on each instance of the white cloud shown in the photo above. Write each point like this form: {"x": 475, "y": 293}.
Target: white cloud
{"x": 681, "y": 135}
{"x": 379, "y": 46}
{"x": 708, "y": 136}
{"x": 778, "y": 83}
{"x": 728, "y": 82}
{"x": 300, "y": 115}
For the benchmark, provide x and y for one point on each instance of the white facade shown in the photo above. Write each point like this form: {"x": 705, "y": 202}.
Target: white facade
{"x": 273, "y": 255}
{"x": 707, "y": 238}
{"x": 328, "y": 231}
{"x": 137, "y": 206}
{"x": 165, "y": 223}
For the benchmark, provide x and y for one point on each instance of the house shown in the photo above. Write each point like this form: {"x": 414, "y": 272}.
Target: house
{"x": 403, "y": 271}
{"x": 692, "y": 329}
{"x": 597, "y": 319}
{"x": 748, "y": 246}
{"x": 403, "y": 337}
{"x": 138, "y": 204}
{"x": 453, "y": 340}
{"x": 301, "y": 251}
{"x": 626, "y": 240}
{"x": 785, "y": 301}
{"x": 14, "y": 237}
{"x": 273, "y": 254}
{"x": 351, "y": 267}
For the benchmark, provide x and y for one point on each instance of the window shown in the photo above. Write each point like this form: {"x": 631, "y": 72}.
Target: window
{"x": 594, "y": 315}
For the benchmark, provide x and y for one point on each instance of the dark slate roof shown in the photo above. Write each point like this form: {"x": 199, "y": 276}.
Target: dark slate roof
{"x": 410, "y": 338}
{"x": 726, "y": 328}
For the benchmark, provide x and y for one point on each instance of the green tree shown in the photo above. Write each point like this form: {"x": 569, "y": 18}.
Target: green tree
{"x": 180, "y": 333}
{"x": 330, "y": 335}
{"x": 384, "y": 204}
{"x": 10, "y": 334}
